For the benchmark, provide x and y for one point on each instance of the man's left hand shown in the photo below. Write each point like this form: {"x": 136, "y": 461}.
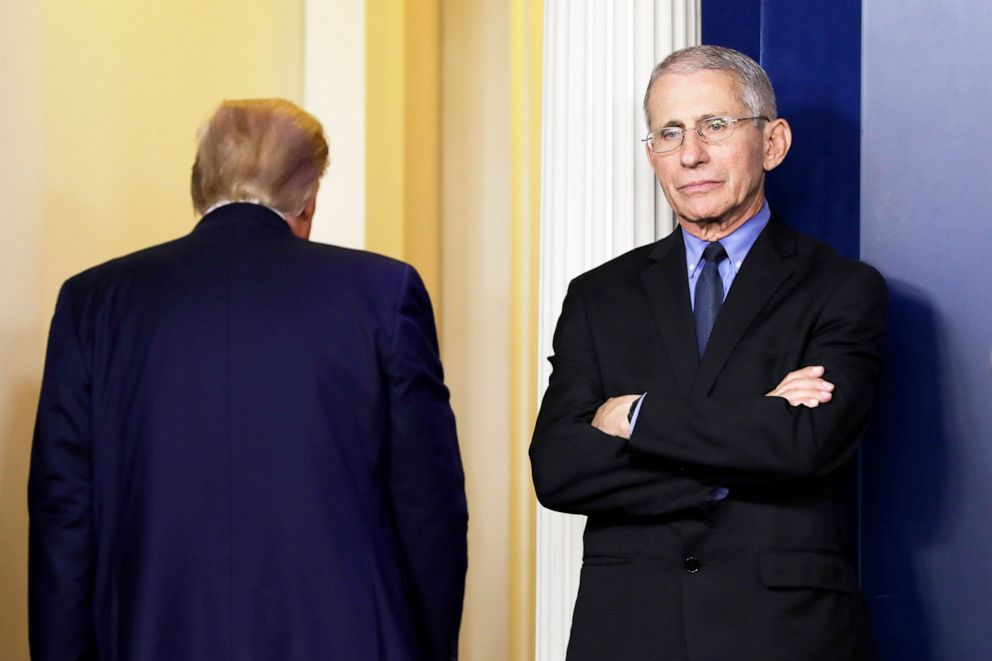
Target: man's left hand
{"x": 611, "y": 416}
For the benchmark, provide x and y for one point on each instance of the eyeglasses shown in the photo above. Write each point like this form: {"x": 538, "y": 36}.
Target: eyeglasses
{"x": 714, "y": 129}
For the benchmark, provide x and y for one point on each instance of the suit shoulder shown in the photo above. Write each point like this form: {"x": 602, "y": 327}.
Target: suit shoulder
{"x": 120, "y": 268}
{"x": 823, "y": 252}
{"x": 615, "y": 271}
{"x": 844, "y": 270}
{"x": 361, "y": 264}
{"x": 357, "y": 257}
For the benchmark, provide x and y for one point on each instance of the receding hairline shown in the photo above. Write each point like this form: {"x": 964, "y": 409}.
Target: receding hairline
{"x": 751, "y": 83}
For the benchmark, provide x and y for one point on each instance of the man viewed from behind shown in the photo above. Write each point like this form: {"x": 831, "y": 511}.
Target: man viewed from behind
{"x": 244, "y": 448}
{"x": 708, "y": 396}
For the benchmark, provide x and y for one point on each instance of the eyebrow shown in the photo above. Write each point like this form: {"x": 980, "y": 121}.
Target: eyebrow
{"x": 673, "y": 123}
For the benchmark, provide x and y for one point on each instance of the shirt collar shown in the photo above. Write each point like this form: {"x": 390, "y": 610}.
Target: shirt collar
{"x": 737, "y": 243}
{"x": 224, "y": 203}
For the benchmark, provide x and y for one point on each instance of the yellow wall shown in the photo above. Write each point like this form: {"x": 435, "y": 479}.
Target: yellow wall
{"x": 476, "y": 299}
{"x": 403, "y": 139}
{"x": 526, "y": 61}
{"x": 126, "y": 84}
{"x": 21, "y": 314}
{"x": 100, "y": 104}
{"x": 452, "y": 179}
{"x": 490, "y": 168}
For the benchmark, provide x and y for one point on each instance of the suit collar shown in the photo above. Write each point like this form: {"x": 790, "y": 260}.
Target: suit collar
{"x": 764, "y": 271}
{"x": 665, "y": 282}
{"x": 244, "y": 216}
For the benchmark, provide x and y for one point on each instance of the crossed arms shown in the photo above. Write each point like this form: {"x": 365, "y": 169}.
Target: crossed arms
{"x": 685, "y": 445}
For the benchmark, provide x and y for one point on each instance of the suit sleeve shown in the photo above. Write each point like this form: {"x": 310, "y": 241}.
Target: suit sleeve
{"x": 577, "y": 468}
{"x": 61, "y": 538}
{"x": 754, "y": 440}
{"x": 425, "y": 471}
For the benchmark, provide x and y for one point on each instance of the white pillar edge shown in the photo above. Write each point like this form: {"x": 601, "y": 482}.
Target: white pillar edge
{"x": 598, "y": 200}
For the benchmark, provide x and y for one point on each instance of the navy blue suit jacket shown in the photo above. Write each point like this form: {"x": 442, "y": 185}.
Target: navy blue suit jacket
{"x": 244, "y": 450}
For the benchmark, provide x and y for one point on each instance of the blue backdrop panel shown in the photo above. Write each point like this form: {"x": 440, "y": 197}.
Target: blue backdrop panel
{"x": 927, "y": 224}
{"x": 811, "y": 51}
{"x": 734, "y": 24}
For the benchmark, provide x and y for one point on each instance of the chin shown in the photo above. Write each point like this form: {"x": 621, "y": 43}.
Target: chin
{"x": 701, "y": 216}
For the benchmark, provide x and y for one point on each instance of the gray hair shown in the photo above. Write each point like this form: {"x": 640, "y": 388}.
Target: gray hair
{"x": 754, "y": 90}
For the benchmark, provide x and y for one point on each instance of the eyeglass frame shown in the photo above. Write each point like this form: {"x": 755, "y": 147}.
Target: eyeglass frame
{"x": 731, "y": 121}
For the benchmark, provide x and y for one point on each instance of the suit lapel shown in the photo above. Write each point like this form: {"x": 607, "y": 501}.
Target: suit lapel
{"x": 665, "y": 282}
{"x": 764, "y": 271}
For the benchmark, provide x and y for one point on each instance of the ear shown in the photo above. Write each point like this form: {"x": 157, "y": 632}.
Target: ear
{"x": 301, "y": 221}
{"x": 778, "y": 139}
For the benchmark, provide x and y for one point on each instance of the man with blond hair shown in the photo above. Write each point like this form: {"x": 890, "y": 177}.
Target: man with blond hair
{"x": 708, "y": 397}
{"x": 244, "y": 447}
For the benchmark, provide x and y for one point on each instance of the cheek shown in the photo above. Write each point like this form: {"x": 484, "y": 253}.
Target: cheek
{"x": 745, "y": 172}
{"x": 663, "y": 173}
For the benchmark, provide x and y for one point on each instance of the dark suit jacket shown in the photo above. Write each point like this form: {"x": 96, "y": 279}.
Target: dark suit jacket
{"x": 667, "y": 574}
{"x": 244, "y": 450}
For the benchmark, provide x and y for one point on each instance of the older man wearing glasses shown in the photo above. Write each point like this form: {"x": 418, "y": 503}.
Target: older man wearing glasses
{"x": 708, "y": 396}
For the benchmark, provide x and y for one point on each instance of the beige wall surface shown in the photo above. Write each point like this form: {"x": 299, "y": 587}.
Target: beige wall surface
{"x": 126, "y": 84}
{"x": 475, "y": 211}
{"x": 21, "y": 315}
{"x": 100, "y": 104}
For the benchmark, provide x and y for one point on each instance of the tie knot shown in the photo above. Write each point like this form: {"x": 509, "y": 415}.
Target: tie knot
{"x": 714, "y": 252}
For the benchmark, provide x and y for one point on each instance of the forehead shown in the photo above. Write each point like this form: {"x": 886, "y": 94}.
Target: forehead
{"x": 683, "y": 98}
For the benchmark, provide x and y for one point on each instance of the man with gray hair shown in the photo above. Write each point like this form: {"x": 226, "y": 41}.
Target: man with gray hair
{"x": 244, "y": 448}
{"x": 708, "y": 396}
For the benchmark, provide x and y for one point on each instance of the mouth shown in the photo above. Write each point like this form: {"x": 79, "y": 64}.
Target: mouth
{"x": 696, "y": 187}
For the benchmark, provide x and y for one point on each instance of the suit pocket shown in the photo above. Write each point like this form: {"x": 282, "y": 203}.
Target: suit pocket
{"x": 807, "y": 569}
{"x": 605, "y": 560}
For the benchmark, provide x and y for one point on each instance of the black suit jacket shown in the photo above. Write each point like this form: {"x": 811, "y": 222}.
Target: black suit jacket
{"x": 668, "y": 574}
{"x": 244, "y": 450}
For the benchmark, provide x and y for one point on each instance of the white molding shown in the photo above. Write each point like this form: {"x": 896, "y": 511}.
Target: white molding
{"x": 598, "y": 200}
{"x": 334, "y": 91}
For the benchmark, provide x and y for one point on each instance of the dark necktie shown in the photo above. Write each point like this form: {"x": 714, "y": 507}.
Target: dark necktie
{"x": 709, "y": 294}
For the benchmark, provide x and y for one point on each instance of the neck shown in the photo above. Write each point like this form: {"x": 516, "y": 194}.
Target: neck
{"x": 714, "y": 229}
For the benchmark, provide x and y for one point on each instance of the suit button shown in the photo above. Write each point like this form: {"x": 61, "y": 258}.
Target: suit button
{"x": 692, "y": 565}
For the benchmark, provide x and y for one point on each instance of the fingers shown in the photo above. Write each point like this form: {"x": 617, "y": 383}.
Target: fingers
{"x": 611, "y": 416}
{"x": 806, "y": 397}
{"x": 810, "y": 372}
{"x": 803, "y": 384}
{"x": 805, "y": 387}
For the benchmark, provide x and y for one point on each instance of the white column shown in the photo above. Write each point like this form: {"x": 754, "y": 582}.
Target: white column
{"x": 598, "y": 200}
{"x": 334, "y": 92}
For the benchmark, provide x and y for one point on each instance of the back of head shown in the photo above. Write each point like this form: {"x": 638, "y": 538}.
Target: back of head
{"x": 754, "y": 90}
{"x": 267, "y": 151}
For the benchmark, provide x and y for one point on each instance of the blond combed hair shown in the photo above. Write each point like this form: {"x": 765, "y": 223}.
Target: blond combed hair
{"x": 267, "y": 151}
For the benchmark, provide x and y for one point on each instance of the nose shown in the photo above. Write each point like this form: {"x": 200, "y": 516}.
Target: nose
{"x": 693, "y": 150}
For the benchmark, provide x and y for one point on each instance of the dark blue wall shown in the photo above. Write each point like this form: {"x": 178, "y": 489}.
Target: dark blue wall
{"x": 812, "y": 53}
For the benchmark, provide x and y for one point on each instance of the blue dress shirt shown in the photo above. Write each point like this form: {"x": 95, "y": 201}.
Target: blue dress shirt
{"x": 737, "y": 244}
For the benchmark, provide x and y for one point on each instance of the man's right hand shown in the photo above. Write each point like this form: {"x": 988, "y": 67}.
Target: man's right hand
{"x": 804, "y": 387}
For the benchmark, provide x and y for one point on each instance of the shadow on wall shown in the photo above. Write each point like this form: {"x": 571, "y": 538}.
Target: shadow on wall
{"x": 15, "y": 443}
{"x": 904, "y": 480}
